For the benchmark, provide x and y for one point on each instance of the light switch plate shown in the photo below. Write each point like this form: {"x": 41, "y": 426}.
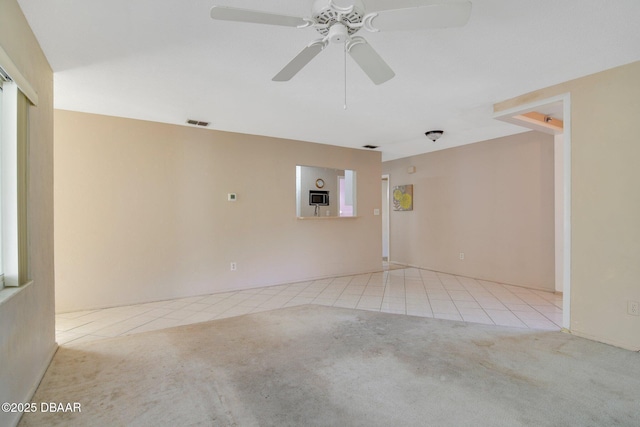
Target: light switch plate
{"x": 232, "y": 197}
{"x": 376, "y": 212}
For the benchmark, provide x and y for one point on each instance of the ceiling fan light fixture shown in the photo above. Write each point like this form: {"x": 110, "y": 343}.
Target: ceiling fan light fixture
{"x": 434, "y": 135}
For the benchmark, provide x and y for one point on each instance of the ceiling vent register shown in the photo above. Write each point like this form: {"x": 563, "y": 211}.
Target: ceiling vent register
{"x": 198, "y": 123}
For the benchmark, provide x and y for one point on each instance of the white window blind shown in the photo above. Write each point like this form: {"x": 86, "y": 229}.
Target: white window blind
{"x": 14, "y": 148}
{"x": 2, "y": 80}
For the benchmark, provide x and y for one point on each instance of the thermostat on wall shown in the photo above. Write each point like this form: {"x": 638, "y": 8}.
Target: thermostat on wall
{"x": 232, "y": 197}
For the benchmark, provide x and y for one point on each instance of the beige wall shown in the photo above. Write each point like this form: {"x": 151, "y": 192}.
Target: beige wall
{"x": 605, "y": 201}
{"x": 142, "y": 213}
{"x": 492, "y": 200}
{"x": 27, "y": 318}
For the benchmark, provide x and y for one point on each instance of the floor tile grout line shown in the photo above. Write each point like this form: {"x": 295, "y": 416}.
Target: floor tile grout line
{"x": 386, "y": 280}
{"x": 228, "y": 308}
{"x": 502, "y": 302}
{"x": 426, "y": 292}
{"x": 156, "y": 318}
{"x": 546, "y": 317}
{"x": 474, "y": 299}
{"x": 135, "y": 327}
{"x": 360, "y": 296}
{"x": 365, "y": 289}
{"x": 485, "y": 310}
{"x": 96, "y": 320}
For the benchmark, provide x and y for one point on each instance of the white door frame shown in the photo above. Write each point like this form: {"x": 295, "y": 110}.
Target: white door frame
{"x": 508, "y": 116}
{"x": 387, "y": 217}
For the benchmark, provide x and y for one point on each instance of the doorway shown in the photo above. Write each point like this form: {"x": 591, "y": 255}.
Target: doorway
{"x": 553, "y": 116}
{"x": 385, "y": 218}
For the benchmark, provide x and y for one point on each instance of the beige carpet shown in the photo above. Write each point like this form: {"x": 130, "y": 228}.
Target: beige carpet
{"x": 323, "y": 366}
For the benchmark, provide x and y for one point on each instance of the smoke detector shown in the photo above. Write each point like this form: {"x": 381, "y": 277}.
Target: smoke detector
{"x": 434, "y": 135}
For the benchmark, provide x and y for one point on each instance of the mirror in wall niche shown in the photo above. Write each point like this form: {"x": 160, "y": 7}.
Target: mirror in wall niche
{"x": 325, "y": 192}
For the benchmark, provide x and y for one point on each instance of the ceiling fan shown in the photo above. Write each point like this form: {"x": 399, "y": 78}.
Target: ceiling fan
{"x": 339, "y": 20}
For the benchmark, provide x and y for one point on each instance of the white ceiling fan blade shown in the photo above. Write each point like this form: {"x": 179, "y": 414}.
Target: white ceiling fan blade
{"x": 369, "y": 60}
{"x": 441, "y": 15}
{"x": 300, "y": 61}
{"x": 225, "y": 13}
{"x": 377, "y": 5}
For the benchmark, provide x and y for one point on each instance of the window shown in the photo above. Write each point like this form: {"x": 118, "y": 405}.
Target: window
{"x": 2, "y": 80}
{"x": 14, "y": 109}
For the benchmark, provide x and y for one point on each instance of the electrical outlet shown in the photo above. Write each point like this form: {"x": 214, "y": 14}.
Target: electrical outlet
{"x": 234, "y": 266}
{"x": 461, "y": 256}
{"x": 633, "y": 308}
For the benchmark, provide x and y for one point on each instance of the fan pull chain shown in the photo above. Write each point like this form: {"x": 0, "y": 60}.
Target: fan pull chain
{"x": 345, "y": 76}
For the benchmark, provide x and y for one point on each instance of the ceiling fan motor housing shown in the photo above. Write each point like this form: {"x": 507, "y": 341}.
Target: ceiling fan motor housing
{"x": 329, "y": 12}
{"x": 338, "y": 33}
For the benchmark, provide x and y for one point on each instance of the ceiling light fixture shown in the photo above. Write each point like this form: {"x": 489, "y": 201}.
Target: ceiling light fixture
{"x": 434, "y": 135}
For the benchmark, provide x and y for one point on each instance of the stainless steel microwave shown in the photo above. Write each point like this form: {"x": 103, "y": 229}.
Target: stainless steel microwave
{"x": 318, "y": 198}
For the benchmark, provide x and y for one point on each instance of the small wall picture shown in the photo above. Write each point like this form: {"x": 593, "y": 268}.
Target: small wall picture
{"x": 403, "y": 198}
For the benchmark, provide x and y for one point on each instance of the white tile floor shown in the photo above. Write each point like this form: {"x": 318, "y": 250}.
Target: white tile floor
{"x": 408, "y": 291}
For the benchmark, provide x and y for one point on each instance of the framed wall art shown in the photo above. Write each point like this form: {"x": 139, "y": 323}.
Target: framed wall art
{"x": 403, "y": 197}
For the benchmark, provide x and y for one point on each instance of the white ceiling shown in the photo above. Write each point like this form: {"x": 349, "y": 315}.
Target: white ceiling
{"x": 167, "y": 61}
